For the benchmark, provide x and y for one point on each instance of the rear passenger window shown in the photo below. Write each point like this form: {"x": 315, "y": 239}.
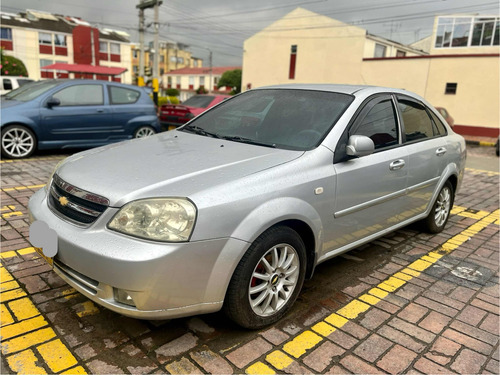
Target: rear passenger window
{"x": 440, "y": 129}
{"x": 417, "y": 123}
{"x": 120, "y": 95}
{"x": 379, "y": 124}
{"x": 80, "y": 95}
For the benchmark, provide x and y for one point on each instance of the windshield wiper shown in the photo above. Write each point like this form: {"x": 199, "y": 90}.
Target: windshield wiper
{"x": 237, "y": 138}
{"x": 200, "y": 131}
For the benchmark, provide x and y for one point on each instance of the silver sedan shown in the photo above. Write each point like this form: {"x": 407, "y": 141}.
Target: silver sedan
{"x": 235, "y": 209}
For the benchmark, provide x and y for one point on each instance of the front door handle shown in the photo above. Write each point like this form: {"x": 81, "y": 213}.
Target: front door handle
{"x": 100, "y": 111}
{"x": 398, "y": 164}
{"x": 441, "y": 151}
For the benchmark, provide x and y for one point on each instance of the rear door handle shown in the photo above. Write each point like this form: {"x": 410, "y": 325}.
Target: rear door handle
{"x": 441, "y": 151}
{"x": 398, "y": 164}
{"x": 100, "y": 110}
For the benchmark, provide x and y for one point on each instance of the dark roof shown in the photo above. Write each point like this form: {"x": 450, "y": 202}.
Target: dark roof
{"x": 62, "y": 25}
{"x": 40, "y": 24}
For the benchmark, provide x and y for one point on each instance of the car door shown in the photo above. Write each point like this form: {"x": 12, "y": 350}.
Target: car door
{"x": 128, "y": 111}
{"x": 427, "y": 148}
{"x": 370, "y": 189}
{"x": 81, "y": 117}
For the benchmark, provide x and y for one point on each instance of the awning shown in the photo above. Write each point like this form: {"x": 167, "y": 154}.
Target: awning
{"x": 81, "y": 68}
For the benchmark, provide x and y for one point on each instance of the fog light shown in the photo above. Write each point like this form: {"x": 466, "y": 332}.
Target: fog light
{"x": 123, "y": 297}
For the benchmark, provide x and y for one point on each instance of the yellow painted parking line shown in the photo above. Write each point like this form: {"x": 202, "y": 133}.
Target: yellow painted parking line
{"x": 482, "y": 171}
{"x": 25, "y": 333}
{"x": 25, "y": 363}
{"x": 300, "y": 344}
{"x": 32, "y": 159}
{"x": 11, "y": 214}
{"x": 279, "y": 360}
{"x": 57, "y": 356}
{"x": 259, "y": 368}
{"x": 86, "y": 308}
{"x": 306, "y": 340}
{"x": 8, "y": 254}
{"x": 20, "y": 188}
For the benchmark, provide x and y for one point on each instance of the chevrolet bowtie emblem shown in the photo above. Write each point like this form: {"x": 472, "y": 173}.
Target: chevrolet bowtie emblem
{"x": 64, "y": 201}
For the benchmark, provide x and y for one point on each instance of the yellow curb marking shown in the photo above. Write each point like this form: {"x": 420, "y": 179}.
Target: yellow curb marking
{"x": 23, "y": 309}
{"x": 324, "y": 329}
{"x": 299, "y": 345}
{"x": 5, "y": 316}
{"x": 23, "y": 327}
{"x": 25, "y": 363}
{"x": 86, "y": 308}
{"x": 57, "y": 356}
{"x": 19, "y": 188}
{"x": 32, "y": 159}
{"x": 28, "y": 330}
{"x": 75, "y": 371}
{"x": 259, "y": 369}
{"x": 8, "y": 285}
{"x": 279, "y": 360}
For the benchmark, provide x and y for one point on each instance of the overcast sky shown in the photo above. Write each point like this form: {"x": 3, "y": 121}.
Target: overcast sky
{"x": 222, "y": 25}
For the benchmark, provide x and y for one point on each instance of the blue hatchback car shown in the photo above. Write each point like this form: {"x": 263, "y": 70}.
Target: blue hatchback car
{"x": 73, "y": 114}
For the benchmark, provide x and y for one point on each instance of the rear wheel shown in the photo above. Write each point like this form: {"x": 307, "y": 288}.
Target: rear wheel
{"x": 144, "y": 131}
{"x": 438, "y": 217}
{"x": 267, "y": 280}
{"x": 17, "y": 142}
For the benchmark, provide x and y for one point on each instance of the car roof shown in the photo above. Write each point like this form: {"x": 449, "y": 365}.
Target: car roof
{"x": 343, "y": 89}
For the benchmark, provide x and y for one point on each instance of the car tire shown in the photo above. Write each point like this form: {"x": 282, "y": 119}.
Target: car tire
{"x": 17, "y": 142}
{"x": 267, "y": 280}
{"x": 438, "y": 217}
{"x": 144, "y": 131}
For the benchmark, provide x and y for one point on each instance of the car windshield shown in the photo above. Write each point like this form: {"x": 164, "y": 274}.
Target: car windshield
{"x": 281, "y": 118}
{"x": 199, "y": 101}
{"x": 30, "y": 91}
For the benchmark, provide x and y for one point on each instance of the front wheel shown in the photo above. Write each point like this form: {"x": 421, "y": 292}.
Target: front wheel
{"x": 18, "y": 142}
{"x": 267, "y": 280}
{"x": 438, "y": 217}
{"x": 144, "y": 131}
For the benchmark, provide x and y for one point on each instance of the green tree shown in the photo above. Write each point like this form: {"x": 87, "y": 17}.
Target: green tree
{"x": 11, "y": 66}
{"x": 231, "y": 78}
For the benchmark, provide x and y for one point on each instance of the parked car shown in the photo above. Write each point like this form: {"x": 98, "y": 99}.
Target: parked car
{"x": 9, "y": 83}
{"x": 235, "y": 209}
{"x": 174, "y": 115}
{"x": 446, "y": 115}
{"x": 73, "y": 114}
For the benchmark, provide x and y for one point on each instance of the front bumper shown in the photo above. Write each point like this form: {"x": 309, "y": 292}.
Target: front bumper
{"x": 164, "y": 280}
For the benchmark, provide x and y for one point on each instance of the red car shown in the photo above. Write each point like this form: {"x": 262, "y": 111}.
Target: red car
{"x": 174, "y": 115}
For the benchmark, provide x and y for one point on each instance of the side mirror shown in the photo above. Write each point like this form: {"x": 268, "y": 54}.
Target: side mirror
{"x": 53, "y": 102}
{"x": 359, "y": 145}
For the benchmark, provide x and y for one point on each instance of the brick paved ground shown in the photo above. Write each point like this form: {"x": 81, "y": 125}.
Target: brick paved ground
{"x": 407, "y": 303}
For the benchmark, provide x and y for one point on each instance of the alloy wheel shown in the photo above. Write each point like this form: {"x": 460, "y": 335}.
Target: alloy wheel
{"x": 17, "y": 142}
{"x": 443, "y": 204}
{"x": 274, "y": 280}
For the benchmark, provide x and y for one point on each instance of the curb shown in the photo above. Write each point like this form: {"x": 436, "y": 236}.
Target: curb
{"x": 480, "y": 143}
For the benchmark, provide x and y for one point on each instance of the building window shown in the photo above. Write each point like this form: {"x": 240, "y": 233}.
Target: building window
{"x": 135, "y": 53}
{"x": 45, "y": 38}
{"x": 46, "y": 73}
{"x": 195, "y": 63}
{"x": 202, "y": 81}
{"x": 191, "y": 82}
{"x": 178, "y": 82}
{"x": 103, "y": 47}
{"x": 293, "y": 62}
{"x": 135, "y": 69}
{"x": 114, "y": 48}
{"x": 60, "y": 40}
{"x": 380, "y": 50}
{"x": 482, "y": 34}
{"x": 467, "y": 31}
{"x": 451, "y": 88}
{"x": 162, "y": 58}
{"x": 400, "y": 53}
{"x": 6, "y": 33}
{"x": 6, "y": 37}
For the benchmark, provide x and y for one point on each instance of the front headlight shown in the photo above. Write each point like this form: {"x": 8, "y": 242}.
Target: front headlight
{"x": 157, "y": 219}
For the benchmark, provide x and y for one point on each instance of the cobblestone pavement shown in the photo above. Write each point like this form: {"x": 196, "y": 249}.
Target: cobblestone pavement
{"x": 407, "y": 303}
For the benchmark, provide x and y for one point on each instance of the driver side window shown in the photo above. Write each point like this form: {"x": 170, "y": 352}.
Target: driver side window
{"x": 379, "y": 124}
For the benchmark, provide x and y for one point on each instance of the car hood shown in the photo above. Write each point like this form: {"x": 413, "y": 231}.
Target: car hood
{"x": 174, "y": 164}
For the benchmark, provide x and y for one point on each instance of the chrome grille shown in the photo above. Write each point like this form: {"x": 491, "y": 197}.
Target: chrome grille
{"x": 74, "y": 204}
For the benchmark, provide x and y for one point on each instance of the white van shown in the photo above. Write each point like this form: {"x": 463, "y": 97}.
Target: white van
{"x": 8, "y": 83}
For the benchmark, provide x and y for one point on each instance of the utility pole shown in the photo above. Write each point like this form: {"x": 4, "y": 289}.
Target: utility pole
{"x": 211, "y": 84}
{"x": 140, "y": 79}
{"x": 144, "y": 4}
{"x": 156, "y": 62}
